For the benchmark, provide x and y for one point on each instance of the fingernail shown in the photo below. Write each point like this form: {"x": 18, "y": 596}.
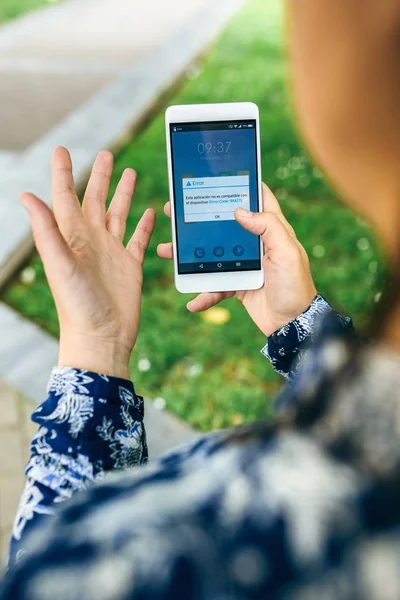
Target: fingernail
{"x": 243, "y": 212}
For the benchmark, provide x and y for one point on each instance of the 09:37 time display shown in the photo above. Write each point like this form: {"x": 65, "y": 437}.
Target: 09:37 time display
{"x": 208, "y": 148}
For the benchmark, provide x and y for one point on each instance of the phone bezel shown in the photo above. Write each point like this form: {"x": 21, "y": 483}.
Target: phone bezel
{"x": 197, "y": 113}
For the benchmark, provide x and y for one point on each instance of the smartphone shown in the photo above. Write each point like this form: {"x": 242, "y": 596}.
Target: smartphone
{"x": 214, "y": 167}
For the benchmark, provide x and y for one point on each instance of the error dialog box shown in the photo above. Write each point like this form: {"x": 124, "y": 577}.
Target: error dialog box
{"x": 215, "y": 198}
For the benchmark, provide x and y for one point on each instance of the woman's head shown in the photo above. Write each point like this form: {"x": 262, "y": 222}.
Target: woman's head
{"x": 345, "y": 57}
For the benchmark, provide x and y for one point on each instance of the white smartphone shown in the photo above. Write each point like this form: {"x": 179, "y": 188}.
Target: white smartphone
{"x": 214, "y": 167}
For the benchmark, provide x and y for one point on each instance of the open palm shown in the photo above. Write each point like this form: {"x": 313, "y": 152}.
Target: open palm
{"x": 96, "y": 282}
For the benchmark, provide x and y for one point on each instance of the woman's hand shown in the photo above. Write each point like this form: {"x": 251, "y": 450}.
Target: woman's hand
{"x": 95, "y": 281}
{"x": 289, "y": 288}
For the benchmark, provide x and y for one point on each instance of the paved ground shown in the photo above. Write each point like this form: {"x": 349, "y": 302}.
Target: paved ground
{"x": 16, "y": 431}
{"x": 52, "y": 62}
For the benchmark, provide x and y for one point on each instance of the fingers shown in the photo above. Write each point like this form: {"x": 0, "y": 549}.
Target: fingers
{"x": 49, "y": 242}
{"x": 165, "y": 251}
{"x": 119, "y": 208}
{"x": 269, "y": 226}
{"x": 67, "y": 209}
{"x": 140, "y": 240}
{"x": 94, "y": 201}
{"x": 206, "y": 300}
{"x": 167, "y": 209}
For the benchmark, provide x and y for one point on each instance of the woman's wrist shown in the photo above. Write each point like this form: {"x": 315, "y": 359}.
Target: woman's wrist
{"x": 106, "y": 357}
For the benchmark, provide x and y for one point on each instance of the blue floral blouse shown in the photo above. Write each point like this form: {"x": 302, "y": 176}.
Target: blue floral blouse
{"x": 306, "y": 507}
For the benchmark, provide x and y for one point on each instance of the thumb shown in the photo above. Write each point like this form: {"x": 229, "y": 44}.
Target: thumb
{"x": 48, "y": 240}
{"x": 274, "y": 234}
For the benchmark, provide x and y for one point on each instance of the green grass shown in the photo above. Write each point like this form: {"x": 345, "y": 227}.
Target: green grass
{"x": 9, "y": 9}
{"x": 236, "y": 383}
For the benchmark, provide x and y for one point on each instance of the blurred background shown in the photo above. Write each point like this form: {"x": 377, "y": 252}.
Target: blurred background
{"x": 61, "y": 65}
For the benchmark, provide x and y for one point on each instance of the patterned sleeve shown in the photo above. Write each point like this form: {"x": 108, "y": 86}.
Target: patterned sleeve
{"x": 89, "y": 424}
{"x": 286, "y": 346}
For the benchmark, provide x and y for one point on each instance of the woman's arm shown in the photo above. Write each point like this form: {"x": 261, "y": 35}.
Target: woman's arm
{"x": 287, "y": 309}
{"x": 90, "y": 423}
{"x": 286, "y": 347}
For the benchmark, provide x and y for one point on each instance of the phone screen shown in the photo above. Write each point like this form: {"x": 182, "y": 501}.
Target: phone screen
{"x": 214, "y": 172}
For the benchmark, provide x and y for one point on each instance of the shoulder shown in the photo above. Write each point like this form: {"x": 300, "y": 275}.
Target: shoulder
{"x": 222, "y": 516}
{"x": 227, "y": 487}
